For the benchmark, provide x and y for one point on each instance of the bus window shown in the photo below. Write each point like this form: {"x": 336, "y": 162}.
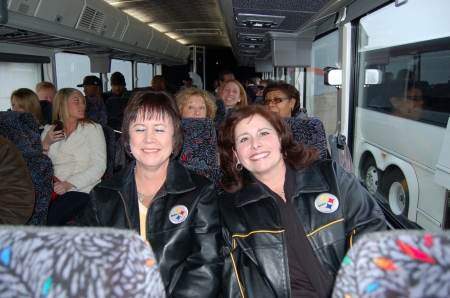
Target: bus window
{"x": 400, "y": 123}
{"x": 14, "y": 76}
{"x": 125, "y": 68}
{"x": 321, "y": 100}
{"x": 144, "y": 74}
{"x": 71, "y": 69}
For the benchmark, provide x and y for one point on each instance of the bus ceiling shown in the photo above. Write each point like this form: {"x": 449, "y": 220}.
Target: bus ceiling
{"x": 154, "y": 31}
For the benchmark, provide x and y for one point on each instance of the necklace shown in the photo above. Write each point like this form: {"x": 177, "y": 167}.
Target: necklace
{"x": 142, "y": 197}
{"x": 281, "y": 194}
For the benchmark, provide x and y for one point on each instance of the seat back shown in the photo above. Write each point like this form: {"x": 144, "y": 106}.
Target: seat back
{"x": 21, "y": 128}
{"x": 309, "y": 131}
{"x": 221, "y": 113}
{"x": 96, "y": 110}
{"x": 199, "y": 151}
{"x": 114, "y": 111}
{"x": 77, "y": 262}
{"x": 401, "y": 263}
{"x": 46, "y": 110}
{"x": 110, "y": 140}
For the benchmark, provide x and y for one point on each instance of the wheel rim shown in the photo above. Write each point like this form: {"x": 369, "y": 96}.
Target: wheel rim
{"x": 397, "y": 198}
{"x": 372, "y": 179}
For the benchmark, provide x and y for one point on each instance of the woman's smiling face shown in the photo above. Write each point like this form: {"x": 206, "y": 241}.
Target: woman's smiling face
{"x": 258, "y": 146}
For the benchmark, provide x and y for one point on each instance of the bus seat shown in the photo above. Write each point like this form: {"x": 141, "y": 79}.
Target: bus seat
{"x": 46, "y": 110}
{"x": 110, "y": 140}
{"x": 258, "y": 100}
{"x": 309, "y": 131}
{"x": 22, "y": 129}
{"x": 221, "y": 113}
{"x": 77, "y": 262}
{"x": 96, "y": 110}
{"x": 114, "y": 111}
{"x": 200, "y": 150}
{"x": 402, "y": 263}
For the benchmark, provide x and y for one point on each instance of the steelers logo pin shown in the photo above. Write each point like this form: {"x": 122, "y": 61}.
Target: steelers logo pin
{"x": 326, "y": 203}
{"x": 178, "y": 214}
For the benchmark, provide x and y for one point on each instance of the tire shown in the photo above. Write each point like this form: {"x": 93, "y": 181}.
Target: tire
{"x": 397, "y": 192}
{"x": 371, "y": 176}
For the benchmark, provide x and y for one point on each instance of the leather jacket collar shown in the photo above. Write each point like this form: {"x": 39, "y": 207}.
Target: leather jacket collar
{"x": 306, "y": 182}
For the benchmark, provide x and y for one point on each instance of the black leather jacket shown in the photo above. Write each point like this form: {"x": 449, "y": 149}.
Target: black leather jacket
{"x": 188, "y": 252}
{"x": 255, "y": 255}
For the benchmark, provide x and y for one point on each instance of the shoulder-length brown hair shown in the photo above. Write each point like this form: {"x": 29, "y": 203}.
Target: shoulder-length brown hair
{"x": 296, "y": 154}
{"x": 61, "y": 108}
{"x": 242, "y": 93}
{"x": 28, "y": 100}
{"x": 151, "y": 104}
{"x": 184, "y": 95}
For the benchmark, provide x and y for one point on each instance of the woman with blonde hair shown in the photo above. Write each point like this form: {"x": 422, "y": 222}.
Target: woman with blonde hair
{"x": 26, "y": 100}
{"x": 233, "y": 95}
{"x": 196, "y": 103}
{"x": 78, "y": 152}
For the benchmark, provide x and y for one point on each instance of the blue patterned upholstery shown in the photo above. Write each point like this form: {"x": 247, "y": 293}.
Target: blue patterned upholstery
{"x": 199, "y": 151}
{"x": 221, "y": 113}
{"x": 21, "y": 128}
{"x": 96, "y": 110}
{"x": 46, "y": 109}
{"x": 77, "y": 262}
{"x": 309, "y": 131}
{"x": 396, "y": 264}
{"x": 258, "y": 100}
{"x": 114, "y": 110}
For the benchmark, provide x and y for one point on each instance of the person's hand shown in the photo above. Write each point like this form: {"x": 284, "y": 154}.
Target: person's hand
{"x": 52, "y": 137}
{"x": 62, "y": 187}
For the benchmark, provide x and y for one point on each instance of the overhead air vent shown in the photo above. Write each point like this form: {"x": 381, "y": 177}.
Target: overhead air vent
{"x": 253, "y": 37}
{"x": 199, "y": 31}
{"x": 259, "y": 21}
{"x": 92, "y": 20}
{"x": 252, "y": 45}
{"x": 115, "y": 29}
{"x": 252, "y": 52}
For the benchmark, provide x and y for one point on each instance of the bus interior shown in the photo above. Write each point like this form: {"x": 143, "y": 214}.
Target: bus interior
{"x": 400, "y": 152}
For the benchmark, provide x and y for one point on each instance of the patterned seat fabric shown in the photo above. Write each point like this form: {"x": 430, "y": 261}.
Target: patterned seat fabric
{"x": 46, "y": 109}
{"x": 258, "y": 100}
{"x": 199, "y": 152}
{"x": 21, "y": 128}
{"x": 77, "y": 262}
{"x": 114, "y": 110}
{"x": 311, "y": 132}
{"x": 221, "y": 113}
{"x": 396, "y": 264}
{"x": 96, "y": 110}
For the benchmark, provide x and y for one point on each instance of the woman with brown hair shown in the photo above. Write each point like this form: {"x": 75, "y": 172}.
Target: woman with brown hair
{"x": 288, "y": 220}
{"x": 233, "y": 95}
{"x": 172, "y": 208}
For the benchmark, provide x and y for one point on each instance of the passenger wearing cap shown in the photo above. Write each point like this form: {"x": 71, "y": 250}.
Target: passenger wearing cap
{"x": 92, "y": 87}
{"x": 118, "y": 84}
{"x": 287, "y": 218}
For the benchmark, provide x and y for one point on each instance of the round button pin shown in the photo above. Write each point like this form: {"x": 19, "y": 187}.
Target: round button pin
{"x": 178, "y": 214}
{"x": 326, "y": 203}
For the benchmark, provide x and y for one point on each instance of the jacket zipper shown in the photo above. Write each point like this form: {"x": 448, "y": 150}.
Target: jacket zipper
{"x": 126, "y": 210}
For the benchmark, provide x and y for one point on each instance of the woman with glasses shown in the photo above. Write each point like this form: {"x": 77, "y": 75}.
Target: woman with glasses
{"x": 282, "y": 98}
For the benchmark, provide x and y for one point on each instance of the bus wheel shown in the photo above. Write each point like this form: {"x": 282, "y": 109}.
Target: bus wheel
{"x": 398, "y": 192}
{"x": 371, "y": 176}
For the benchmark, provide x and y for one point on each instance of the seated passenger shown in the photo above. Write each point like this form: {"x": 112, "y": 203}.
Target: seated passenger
{"x": 174, "y": 209}
{"x": 78, "y": 154}
{"x": 158, "y": 83}
{"x": 262, "y": 85}
{"x": 409, "y": 104}
{"x": 25, "y": 100}
{"x": 233, "y": 95}
{"x": 118, "y": 84}
{"x": 17, "y": 197}
{"x": 46, "y": 91}
{"x": 92, "y": 87}
{"x": 282, "y": 98}
{"x": 288, "y": 220}
{"x": 196, "y": 103}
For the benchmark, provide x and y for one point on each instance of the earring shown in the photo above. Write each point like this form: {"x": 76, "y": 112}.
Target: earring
{"x": 238, "y": 169}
